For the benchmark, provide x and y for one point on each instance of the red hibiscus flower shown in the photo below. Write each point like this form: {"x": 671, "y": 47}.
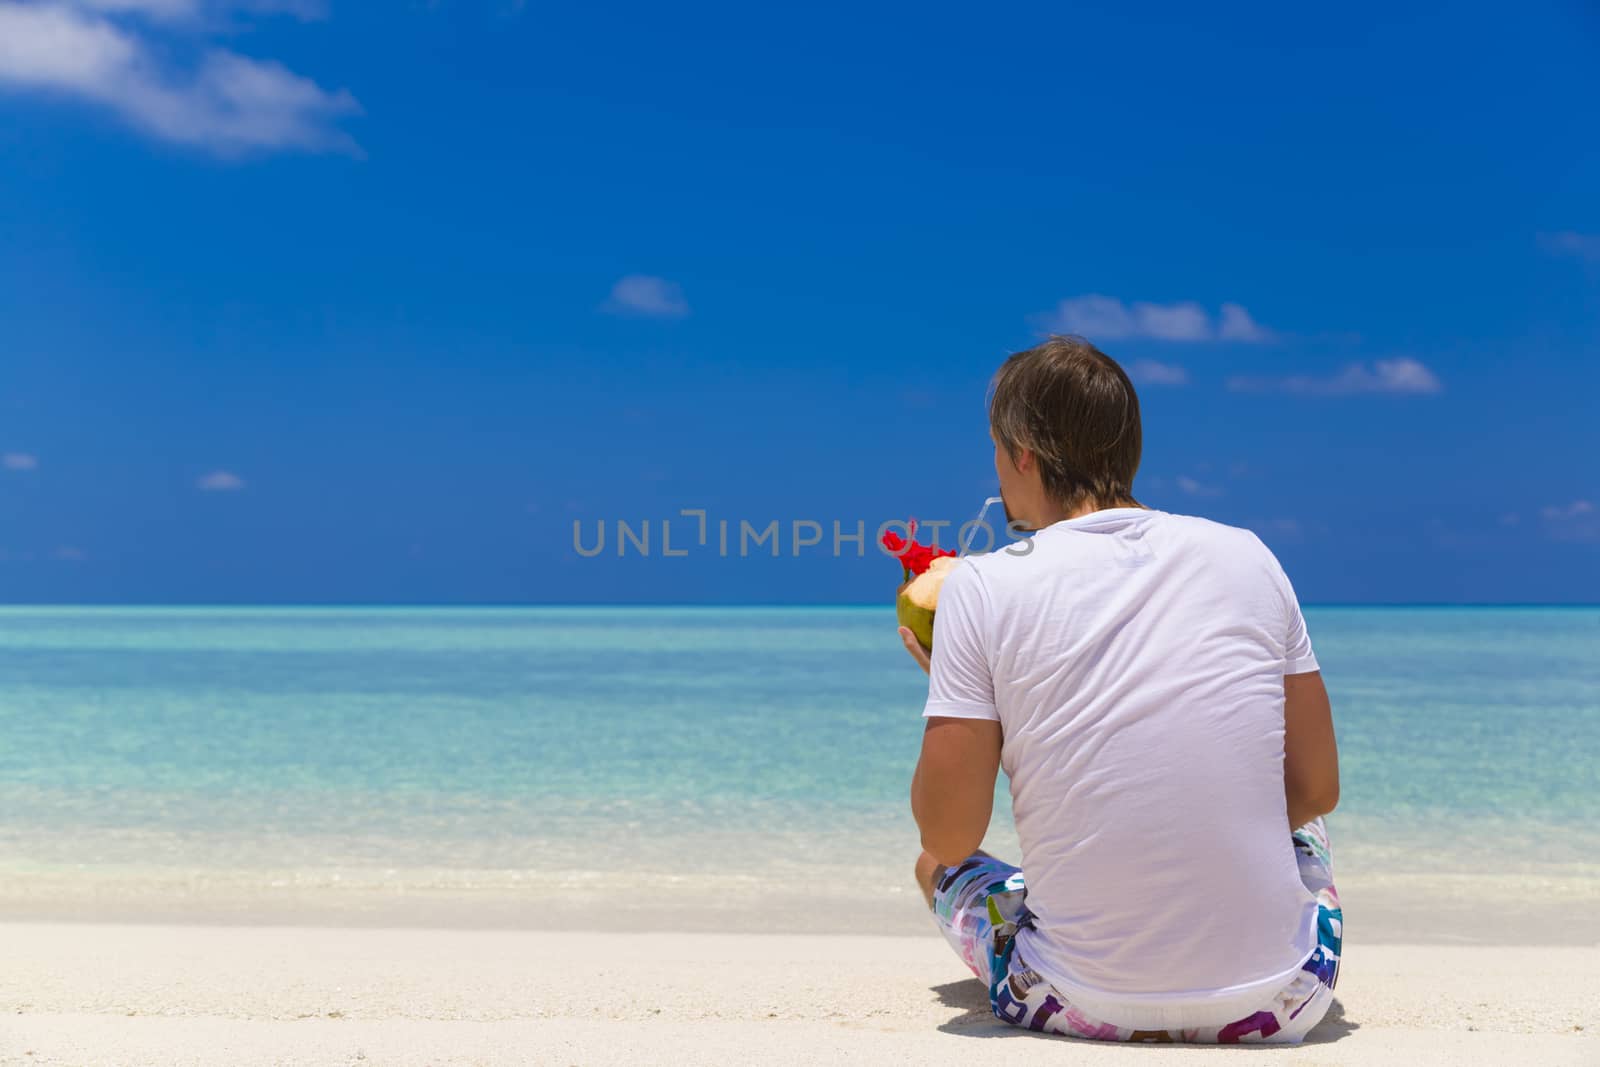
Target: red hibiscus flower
{"x": 914, "y": 557}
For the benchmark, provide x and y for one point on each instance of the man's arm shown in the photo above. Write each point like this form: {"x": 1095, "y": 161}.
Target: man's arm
{"x": 952, "y": 791}
{"x": 1310, "y": 753}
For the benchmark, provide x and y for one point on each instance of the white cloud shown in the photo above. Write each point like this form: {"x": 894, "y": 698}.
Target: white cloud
{"x": 1237, "y": 325}
{"x": 19, "y": 461}
{"x": 219, "y": 481}
{"x": 645, "y": 294}
{"x": 1569, "y": 511}
{"x": 1105, "y": 318}
{"x": 1577, "y": 521}
{"x": 1280, "y": 529}
{"x": 1152, "y": 372}
{"x": 156, "y": 9}
{"x": 1195, "y": 488}
{"x": 1400, "y": 375}
{"x": 208, "y": 10}
{"x": 1572, "y": 243}
{"x": 1172, "y": 322}
{"x": 228, "y": 103}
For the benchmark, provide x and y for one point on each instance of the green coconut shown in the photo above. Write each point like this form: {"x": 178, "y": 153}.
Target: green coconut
{"x": 919, "y": 599}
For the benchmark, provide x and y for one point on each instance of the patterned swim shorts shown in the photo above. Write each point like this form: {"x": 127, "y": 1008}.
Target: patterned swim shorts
{"x": 979, "y": 906}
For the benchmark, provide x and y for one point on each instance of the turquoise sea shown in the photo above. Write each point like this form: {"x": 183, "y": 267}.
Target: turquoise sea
{"x": 434, "y": 749}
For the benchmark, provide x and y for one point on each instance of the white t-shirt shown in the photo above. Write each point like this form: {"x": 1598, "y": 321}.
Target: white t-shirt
{"x": 1135, "y": 662}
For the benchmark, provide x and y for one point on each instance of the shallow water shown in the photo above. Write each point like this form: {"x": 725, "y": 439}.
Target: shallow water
{"x": 442, "y": 748}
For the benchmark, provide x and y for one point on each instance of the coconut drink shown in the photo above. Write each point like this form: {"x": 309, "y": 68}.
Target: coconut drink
{"x": 918, "y": 599}
{"x": 925, "y": 569}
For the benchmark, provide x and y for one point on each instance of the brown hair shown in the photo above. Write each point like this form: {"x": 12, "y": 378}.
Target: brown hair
{"x": 1072, "y": 406}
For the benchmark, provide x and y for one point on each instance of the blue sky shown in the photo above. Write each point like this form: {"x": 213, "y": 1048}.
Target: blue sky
{"x": 327, "y": 302}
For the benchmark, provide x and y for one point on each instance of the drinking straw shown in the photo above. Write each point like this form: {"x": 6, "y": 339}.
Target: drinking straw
{"x": 972, "y": 527}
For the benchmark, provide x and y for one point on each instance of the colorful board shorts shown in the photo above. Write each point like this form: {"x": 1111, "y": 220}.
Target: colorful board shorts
{"x": 979, "y": 907}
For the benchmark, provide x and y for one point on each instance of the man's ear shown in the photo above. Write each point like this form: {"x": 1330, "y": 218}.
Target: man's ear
{"x": 1025, "y": 460}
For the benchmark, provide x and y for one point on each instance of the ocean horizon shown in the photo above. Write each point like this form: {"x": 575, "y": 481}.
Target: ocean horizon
{"x": 89, "y": 605}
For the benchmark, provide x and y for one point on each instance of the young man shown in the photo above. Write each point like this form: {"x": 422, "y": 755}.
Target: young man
{"x": 1148, "y": 684}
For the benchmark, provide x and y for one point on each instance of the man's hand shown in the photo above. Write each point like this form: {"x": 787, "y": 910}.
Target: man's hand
{"x": 913, "y": 646}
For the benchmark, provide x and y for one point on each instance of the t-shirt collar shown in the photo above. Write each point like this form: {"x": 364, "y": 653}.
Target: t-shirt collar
{"x": 1105, "y": 517}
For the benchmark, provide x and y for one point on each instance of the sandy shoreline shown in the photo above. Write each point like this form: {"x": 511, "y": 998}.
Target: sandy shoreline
{"x": 125, "y": 994}
{"x": 1414, "y": 908}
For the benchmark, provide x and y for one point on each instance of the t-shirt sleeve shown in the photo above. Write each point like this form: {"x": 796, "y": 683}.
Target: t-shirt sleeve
{"x": 1298, "y": 658}
{"x": 959, "y": 683}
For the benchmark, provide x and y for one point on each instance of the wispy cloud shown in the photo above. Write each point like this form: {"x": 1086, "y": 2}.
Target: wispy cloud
{"x": 1577, "y": 521}
{"x": 1099, "y": 317}
{"x": 1400, "y": 375}
{"x": 219, "y": 482}
{"x": 19, "y": 461}
{"x": 1573, "y": 510}
{"x": 645, "y": 294}
{"x": 1196, "y": 488}
{"x": 1572, "y": 243}
{"x": 115, "y": 53}
{"x": 1279, "y": 529}
{"x": 1237, "y": 325}
{"x": 158, "y": 9}
{"x": 203, "y": 10}
{"x": 1153, "y": 372}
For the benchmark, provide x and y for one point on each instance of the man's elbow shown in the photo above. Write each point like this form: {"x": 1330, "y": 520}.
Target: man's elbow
{"x": 1310, "y": 802}
{"x": 950, "y": 833}
{"x": 951, "y": 850}
{"x": 1324, "y": 795}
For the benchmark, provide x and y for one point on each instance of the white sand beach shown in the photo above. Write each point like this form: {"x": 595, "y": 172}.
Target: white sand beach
{"x": 158, "y": 994}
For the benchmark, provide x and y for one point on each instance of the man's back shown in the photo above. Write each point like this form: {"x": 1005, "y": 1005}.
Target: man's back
{"x": 1135, "y": 660}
